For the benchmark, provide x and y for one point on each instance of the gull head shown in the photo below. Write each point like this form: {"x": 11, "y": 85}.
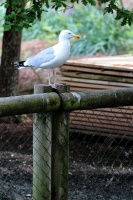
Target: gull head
{"x": 66, "y": 34}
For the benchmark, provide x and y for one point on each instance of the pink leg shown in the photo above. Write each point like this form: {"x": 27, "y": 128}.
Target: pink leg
{"x": 54, "y": 75}
{"x": 49, "y": 82}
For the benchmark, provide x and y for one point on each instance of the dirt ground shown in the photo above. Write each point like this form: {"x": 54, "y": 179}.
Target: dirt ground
{"x": 97, "y": 171}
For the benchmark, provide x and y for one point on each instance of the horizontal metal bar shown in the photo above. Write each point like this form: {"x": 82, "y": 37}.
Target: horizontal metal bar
{"x": 26, "y": 104}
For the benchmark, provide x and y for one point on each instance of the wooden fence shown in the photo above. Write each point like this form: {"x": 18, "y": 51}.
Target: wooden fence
{"x": 51, "y": 130}
{"x": 101, "y": 73}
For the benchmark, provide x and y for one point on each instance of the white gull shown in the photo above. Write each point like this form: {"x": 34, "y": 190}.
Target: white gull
{"x": 52, "y": 57}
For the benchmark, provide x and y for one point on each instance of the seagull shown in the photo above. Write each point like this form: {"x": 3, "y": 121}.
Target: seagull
{"x": 52, "y": 57}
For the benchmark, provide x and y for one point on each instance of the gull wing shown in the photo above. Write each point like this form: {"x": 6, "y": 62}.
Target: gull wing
{"x": 43, "y": 56}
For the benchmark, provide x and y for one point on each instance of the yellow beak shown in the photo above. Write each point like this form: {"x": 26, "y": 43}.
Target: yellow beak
{"x": 77, "y": 36}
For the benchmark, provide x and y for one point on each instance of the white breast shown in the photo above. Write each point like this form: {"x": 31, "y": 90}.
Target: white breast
{"x": 62, "y": 52}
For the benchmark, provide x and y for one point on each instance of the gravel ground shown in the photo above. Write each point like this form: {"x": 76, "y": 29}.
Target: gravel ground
{"x": 97, "y": 171}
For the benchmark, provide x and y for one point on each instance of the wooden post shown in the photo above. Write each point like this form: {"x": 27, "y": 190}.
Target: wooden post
{"x": 42, "y": 131}
{"x": 60, "y": 151}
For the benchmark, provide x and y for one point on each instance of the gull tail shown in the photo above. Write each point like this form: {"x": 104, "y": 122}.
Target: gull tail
{"x": 19, "y": 64}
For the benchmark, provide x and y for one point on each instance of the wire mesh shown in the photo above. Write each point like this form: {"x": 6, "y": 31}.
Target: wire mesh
{"x": 16, "y": 157}
{"x": 101, "y": 154}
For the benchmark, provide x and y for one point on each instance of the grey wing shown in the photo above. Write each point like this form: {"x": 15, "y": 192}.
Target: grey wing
{"x": 42, "y": 57}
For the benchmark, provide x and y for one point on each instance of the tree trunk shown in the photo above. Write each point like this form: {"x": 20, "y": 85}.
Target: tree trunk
{"x": 9, "y": 73}
{"x": 10, "y": 53}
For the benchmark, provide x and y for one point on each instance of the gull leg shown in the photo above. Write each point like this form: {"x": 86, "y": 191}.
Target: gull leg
{"x": 49, "y": 82}
{"x": 54, "y": 75}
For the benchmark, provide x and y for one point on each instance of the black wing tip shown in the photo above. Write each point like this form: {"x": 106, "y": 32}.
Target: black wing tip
{"x": 18, "y": 64}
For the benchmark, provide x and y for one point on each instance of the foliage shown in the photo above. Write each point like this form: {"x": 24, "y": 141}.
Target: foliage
{"x": 20, "y": 18}
{"x": 2, "y": 11}
{"x": 126, "y": 16}
{"x": 99, "y": 33}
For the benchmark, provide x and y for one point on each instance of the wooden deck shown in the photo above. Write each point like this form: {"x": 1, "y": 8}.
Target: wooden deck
{"x": 101, "y": 73}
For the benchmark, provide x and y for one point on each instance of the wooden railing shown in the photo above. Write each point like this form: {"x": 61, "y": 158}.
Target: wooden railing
{"x": 51, "y": 130}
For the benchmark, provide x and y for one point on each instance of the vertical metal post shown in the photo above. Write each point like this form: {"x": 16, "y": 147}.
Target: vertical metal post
{"x": 42, "y": 131}
{"x": 60, "y": 151}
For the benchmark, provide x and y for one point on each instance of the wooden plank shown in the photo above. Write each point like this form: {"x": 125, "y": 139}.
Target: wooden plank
{"x": 103, "y": 123}
{"x": 110, "y": 62}
{"x": 86, "y": 86}
{"x": 117, "y": 114}
{"x": 75, "y": 89}
{"x": 107, "y": 129}
{"x": 124, "y": 110}
{"x": 120, "y": 73}
{"x": 107, "y": 83}
{"x": 114, "y": 135}
{"x": 100, "y": 118}
{"x": 93, "y": 76}
{"x": 110, "y": 111}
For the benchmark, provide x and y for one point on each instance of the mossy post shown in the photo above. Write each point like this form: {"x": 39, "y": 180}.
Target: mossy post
{"x": 60, "y": 150}
{"x": 42, "y": 131}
